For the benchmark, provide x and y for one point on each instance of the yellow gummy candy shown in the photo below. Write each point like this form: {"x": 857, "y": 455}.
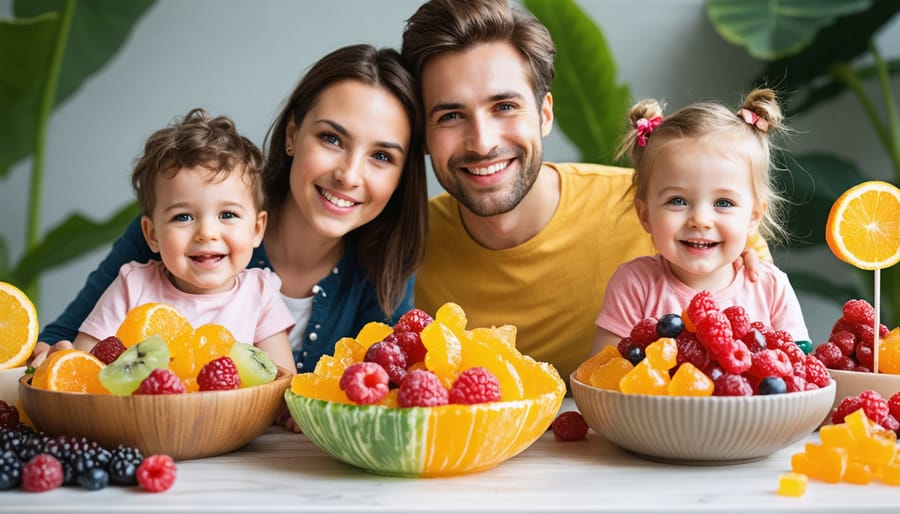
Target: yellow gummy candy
{"x": 792, "y": 484}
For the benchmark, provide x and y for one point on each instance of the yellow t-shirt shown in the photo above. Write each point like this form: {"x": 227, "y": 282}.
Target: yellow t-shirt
{"x": 550, "y": 287}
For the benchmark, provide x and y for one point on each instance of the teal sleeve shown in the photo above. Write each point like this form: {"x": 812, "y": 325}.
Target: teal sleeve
{"x": 131, "y": 246}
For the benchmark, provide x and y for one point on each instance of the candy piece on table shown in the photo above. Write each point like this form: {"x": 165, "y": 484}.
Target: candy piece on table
{"x": 662, "y": 354}
{"x": 792, "y": 484}
{"x": 644, "y": 379}
{"x": 690, "y": 381}
{"x": 609, "y": 375}
{"x": 837, "y": 436}
{"x": 826, "y": 463}
{"x": 858, "y": 473}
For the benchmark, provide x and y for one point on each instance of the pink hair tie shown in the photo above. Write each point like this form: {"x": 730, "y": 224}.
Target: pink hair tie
{"x": 645, "y": 127}
{"x": 751, "y": 118}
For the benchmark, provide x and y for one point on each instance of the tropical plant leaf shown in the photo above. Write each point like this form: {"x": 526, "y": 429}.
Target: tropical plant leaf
{"x": 811, "y": 183}
{"x": 589, "y": 105}
{"x": 69, "y": 240}
{"x": 819, "y": 92}
{"x": 777, "y": 28}
{"x": 25, "y": 50}
{"x": 844, "y": 41}
{"x": 99, "y": 29}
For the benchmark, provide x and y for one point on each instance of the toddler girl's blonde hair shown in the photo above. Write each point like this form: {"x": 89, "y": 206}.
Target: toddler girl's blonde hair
{"x": 746, "y": 131}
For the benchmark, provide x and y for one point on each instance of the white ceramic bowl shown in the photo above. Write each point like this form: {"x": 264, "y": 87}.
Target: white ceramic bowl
{"x": 9, "y": 384}
{"x": 851, "y": 383}
{"x": 702, "y": 430}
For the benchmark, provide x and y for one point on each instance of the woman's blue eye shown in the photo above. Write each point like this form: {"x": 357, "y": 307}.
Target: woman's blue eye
{"x": 449, "y": 116}
{"x": 383, "y": 157}
{"x": 331, "y": 139}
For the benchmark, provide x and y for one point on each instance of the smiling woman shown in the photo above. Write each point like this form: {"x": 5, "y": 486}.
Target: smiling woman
{"x": 345, "y": 194}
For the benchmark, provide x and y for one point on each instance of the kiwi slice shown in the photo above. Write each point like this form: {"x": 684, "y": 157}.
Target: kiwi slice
{"x": 254, "y": 366}
{"x": 125, "y": 374}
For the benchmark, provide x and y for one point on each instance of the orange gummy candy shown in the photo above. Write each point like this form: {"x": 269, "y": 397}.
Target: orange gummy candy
{"x": 644, "y": 379}
{"x": 792, "y": 484}
{"x": 608, "y": 375}
{"x": 662, "y": 353}
{"x": 690, "y": 381}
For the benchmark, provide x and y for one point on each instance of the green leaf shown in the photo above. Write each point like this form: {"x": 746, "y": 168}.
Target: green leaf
{"x": 821, "y": 91}
{"x": 71, "y": 239}
{"x": 589, "y": 105}
{"x": 843, "y": 42}
{"x": 99, "y": 29}
{"x": 25, "y": 52}
{"x": 776, "y": 28}
{"x": 811, "y": 183}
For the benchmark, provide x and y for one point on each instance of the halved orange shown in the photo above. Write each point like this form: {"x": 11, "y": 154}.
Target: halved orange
{"x": 148, "y": 319}
{"x": 18, "y": 326}
{"x": 70, "y": 371}
{"x": 863, "y": 227}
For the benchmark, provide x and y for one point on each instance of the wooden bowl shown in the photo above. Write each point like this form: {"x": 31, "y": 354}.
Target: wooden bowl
{"x": 183, "y": 426}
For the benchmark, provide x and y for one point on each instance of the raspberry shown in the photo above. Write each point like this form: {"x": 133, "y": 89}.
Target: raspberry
{"x": 732, "y": 385}
{"x": 569, "y": 426}
{"x": 475, "y": 385}
{"x": 859, "y": 312}
{"x": 713, "y": 371}
{"x": 389, "y": 356}
{"x": 848, "y": 405}
{"x": 411, "y": 343}
{"x": 754, "y": 340}
{"x": 894, "y": 405}
{"x": 42, "y": 473}
{"x": 623, "y": 346}
{"x": 157, "y": 473}
{"x": 816, "y": 373}
{"x": 842, "y": 325}
{"x": 875, "y": 407}
{"x": 701, "y": 304}
{"x": 737, "y": 359}
{"x": 161, "y": 381}
{"x": 770, "y": 363}
{"x": 365, "y": 383}
{"x": 108, "y": 350}
{"x": 865, "y": 334}
{"x": 845, "y": 363}
{"x": 828, "y": 353}
{"x": 890, "y": 422}
{"x": 644, "y": 332}
{"x": 219, "y": 374}
{"x": 794, "y": 352}
{"x": 778, "y": 339}
{"x": 413, "y": 321}
{"x": 690, "y": 350}
{"x": 798, "y": 369}
{"x": 9, "y": 416}
{"x": 844, "y": 340}
{"x": 714, "y": 332}
{"x": 421, "y": 388}
{"x": 795, "y": 383}
{"x": 763, "y": 329}
{"x": 740, "y": 323}
{"x": 864, "y": 355}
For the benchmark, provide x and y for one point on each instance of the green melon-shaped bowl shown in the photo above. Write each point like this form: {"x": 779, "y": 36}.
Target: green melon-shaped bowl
{"x": 425, "y": 441}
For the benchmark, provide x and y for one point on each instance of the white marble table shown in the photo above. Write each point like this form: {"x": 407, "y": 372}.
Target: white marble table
{"x": 284, "y": 472}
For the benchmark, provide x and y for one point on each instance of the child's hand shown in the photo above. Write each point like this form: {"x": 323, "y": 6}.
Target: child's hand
{"x": 748, "y": 259}
{"x": 42, "y": 350}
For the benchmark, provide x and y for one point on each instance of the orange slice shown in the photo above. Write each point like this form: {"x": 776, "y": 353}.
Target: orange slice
{"x": 153, "y": 318}
{"x": 863, "y": 227}
{"x": 18, "y": 326}
{"x": 70, "y": 371}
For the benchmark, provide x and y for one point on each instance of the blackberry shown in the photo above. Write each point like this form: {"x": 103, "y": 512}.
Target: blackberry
{"x": 123, "y": 464}
{"x": 10, "y": 470}
{"x": 11, "y": 440}
{"x": 93, "y": 479}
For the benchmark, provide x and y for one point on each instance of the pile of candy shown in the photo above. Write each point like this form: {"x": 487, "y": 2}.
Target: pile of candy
{"x": 705, "y": 351}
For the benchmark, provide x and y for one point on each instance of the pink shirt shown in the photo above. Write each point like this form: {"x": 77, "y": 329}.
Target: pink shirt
{"x": 252, "y": 310}
{"x": 646, "y": 287}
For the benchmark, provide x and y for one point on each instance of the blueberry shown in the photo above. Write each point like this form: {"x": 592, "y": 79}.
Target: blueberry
{"x": 93, "y": 479}
{"x": 772, "y": 385}
{"x": 635, "y": 354}
{"x": 669, "y": 325}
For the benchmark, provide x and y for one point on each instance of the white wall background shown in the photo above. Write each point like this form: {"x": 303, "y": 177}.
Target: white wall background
{"x": 241, "y": 58}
